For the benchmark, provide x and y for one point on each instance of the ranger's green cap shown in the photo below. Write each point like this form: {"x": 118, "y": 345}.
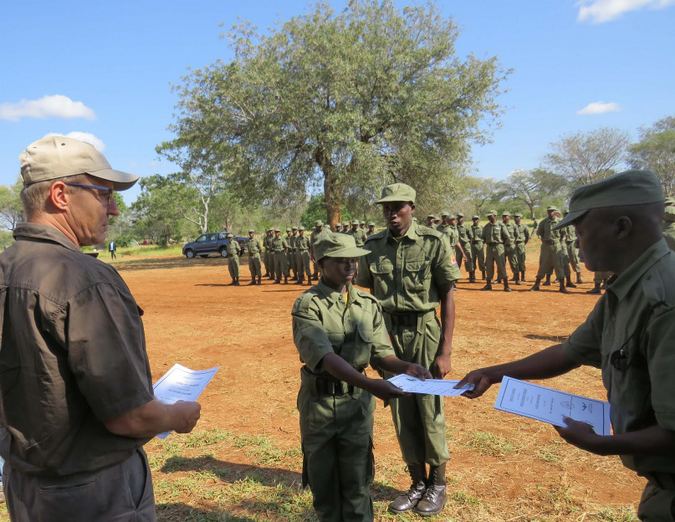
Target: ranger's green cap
{"x": 518, "y": 215}
{"x": 318, "y": 223}
{"x": 301, "y": 228}
{"x": 229, "y": 234}
{"x": 277, "y": 230}
{"x": 362, "y": 223}
{"x": 431, "y": 216}
{"x": 670, "y": 201}
{"x": 337, "y": 245}
{"x": 251, "y": 231}
{"x": 506, "y": 213}
{"x": 451, "y": 216}
{"x": 491, "y": 213}
{"x": 632, "y": 187}
{"x": 294, "y": 228}
{"x": 445, "y": 213}
{"x": 371, "y": 224}
{"x": 289, "y": 230}
{"x": 397, "y": 192}
{"x": 475, "y": 217}
{"x": 355, "y": 222}
{"x": 345, "y": 225}
{"x": 459, "y": 215}
{"x": 552, "y": 208}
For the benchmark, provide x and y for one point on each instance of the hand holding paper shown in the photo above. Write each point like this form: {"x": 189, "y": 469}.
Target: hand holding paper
{"x": 442, "y": 387}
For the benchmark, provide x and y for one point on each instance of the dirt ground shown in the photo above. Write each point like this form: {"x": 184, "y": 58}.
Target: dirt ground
{"x": 243, "y": 462}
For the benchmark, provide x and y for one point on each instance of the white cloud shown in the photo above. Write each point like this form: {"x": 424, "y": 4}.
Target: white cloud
{"x": 54, "y": 106}
{"x": 599, "y": 108}
{"x": 601, "y": 11}
{"x": 87, "y": 137}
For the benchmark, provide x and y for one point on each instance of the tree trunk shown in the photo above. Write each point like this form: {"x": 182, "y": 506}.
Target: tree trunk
{"x": 330, "y": 190}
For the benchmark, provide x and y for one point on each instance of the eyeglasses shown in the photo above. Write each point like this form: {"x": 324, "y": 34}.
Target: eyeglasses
{"x": 106, "y": 191}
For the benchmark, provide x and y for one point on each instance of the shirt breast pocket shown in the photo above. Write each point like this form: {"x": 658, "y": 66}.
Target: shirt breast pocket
{"x": 416, "y": 274}
{"x": 382, "y": 272}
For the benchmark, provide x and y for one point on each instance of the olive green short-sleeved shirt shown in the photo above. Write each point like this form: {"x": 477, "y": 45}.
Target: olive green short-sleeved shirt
{"x": 323, "y": 323}
{"x": 72, "y": 356}
{"x": 630, "y": 335}
{"x": 408, "y": 274}
{"x": 254, "y": 247}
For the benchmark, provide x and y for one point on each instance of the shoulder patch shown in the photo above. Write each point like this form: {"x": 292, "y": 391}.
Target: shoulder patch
{"x": 423, "y": 230}
{"x": 377, "y": 235}
{"x": 366, "y": 295}
{"x": 303, "y": 302}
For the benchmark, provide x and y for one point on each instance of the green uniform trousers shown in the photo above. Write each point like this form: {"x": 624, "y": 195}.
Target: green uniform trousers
{"x": 551, "y": 258}
{"x": 304, "y": 269}
{"x": 511, "y": 255}
{"x": 290, "y": 263}
{"x": 468, "y": 257}
{"x": 337, "y": 447}
{"x": 122, "y": 493}
{"x": 419, "y": 420}
{"x": 233, "y": 266}
{"x": 521, "y": 255}
{"x": 267, "y": 256}
{"x": 254, "y": 266}
{"x": 658, "y": 498}
{"x": 280, "y": 265}
{"x": 495, "y": 255}
{"x": 478, "y": 254}
{"x": 573, "y": 257}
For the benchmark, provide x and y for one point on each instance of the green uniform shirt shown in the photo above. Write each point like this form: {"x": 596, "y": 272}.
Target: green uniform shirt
{"x": 290, "y": 241}
{"x": 450, "y": 231}
{"x": 476, "y": 234}
{"x": 545, "y": 230}
{"x": 523, "y": 233}
{"x": 278, "y": 244}
{"x": 510, "y": 228}
{"x": 570, "y": 234}
{"x": 495, "y": 233}
{"x": 267, "y": 243}
{"x": 233, "y": 248}
{"x": 630, "y": 334}
{"x": 408, "y": 274}
{"x": 323, "y": 323}
{"x": 359, "y": 236}
{"x": 254, "y": 247}
{"x": 302, "y": 243}
{"x": 463, "y": 234}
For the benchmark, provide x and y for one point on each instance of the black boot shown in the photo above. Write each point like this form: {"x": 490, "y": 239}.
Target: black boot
{"x": 488, "y": 286}
{"x": 253, "y": 279}
{"x": 579, "y": 281}
{"x": 535, "y": 286}
{"x": 260, "y": 280}
{"x": 506, "y": 285}
{"x": 570, "y": 284}
{"x": 516, "y": 278}
{"x": 482, "y": 275}
{"x": 285, "y": 279}
{"x": 595, "y": 290}
{"x": 548, "y": 280}
{"x": 562, "y": 288}
{"x": 472, "y": 276}
{"x": 410, "y": 498}
{"x": 522, "y": 275}
{"x": 433, "y": 500}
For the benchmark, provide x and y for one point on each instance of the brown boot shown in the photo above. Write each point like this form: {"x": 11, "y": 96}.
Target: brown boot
{"x": 433, "y": 500}
{"x": 410, "y": 498}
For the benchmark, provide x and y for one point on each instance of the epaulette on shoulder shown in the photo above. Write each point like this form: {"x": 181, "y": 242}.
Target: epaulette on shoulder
{"x": 303, "y": 302}
{"x": 424, "y": 230}
{"x": 366, "y": 295}
{"x": 377, "y": 235}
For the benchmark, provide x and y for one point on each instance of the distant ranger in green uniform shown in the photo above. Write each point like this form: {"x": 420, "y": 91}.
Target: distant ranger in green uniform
{"x": 494, "y": 237}
{"x": 233, "y": 251}
{"x": 302, "y": 244}
{"x": 318, "y": 228}
{"x": 464, "y": 236}
{"x": 291, "y": 253}
{"x": 550, "y": 256}
{"x": 522, "y": 239}
{"x": 357, "y": 233}
{"x": 371, "y": 230}
{"x": 411, "y": 270}
{"x": 430, "y": 220}
{"x": 268, "y": 257}
{"x": 279, "y": 247}
{"x": 669, "y": 223}
{"x": 339, "y": 331}
{"x": 254, "y": 247}
{"x": 477, "y": 251}
{"x": 630, "y": 334}
{"x": 510, "y": 246}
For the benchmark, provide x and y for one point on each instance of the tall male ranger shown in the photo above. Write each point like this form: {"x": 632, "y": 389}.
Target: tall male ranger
{"x": 411, "y": 270}
{"x": 76, "y": 399}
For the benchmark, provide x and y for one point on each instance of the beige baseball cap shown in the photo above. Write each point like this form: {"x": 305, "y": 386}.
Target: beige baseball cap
{"x": 54, "y": 157}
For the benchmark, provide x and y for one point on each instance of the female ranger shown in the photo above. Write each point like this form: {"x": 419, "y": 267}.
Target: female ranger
{"x": 339, "y": 330}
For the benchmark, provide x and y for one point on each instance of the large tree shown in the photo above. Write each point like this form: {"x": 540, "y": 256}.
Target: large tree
{"x": 656, "y": 151}
{"x": 586, "y": 157}
{"x": 339, "y": 102}
{"x": 532, "y": 187}
{"x": 11, "y": 208}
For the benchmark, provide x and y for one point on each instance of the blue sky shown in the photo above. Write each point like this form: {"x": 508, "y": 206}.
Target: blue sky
{"x": 106, "y": 69}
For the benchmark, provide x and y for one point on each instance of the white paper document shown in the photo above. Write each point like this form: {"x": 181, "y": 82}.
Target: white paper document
{"x": 548, "y": 405}
{"x": 181, "y": 384}
{"x": 442, "y": 387}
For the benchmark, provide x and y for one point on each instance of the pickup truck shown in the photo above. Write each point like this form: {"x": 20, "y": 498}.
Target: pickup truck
{"x": 210, "y": 243}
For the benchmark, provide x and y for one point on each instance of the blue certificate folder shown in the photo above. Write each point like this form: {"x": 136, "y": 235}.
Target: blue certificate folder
{"x": 550, "y": 406}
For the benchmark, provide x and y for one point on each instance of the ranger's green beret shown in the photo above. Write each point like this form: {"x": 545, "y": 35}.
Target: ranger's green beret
{"x": 632, "y": 187}
{"x": 337, "y": 245}
{"x": 397, "y": 192}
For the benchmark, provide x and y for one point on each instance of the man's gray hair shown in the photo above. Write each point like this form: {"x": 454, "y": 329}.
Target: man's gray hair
{"x": 34, "y": 196}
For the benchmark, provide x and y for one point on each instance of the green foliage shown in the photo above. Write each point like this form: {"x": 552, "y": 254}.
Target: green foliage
{"x": 11, "y": 209}
{"x": 6, "y": 239}
{"x": 343, "y": 102}
{"x": 656, "y": 151}
{"x": 526, "y": 191}
{"x": 316, "y": 209}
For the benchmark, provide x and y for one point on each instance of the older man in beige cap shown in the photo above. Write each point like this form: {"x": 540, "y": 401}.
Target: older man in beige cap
{"x": 76, "y": 397}
{"x": 630, "y": 334}
{"x": 411, "y": 269}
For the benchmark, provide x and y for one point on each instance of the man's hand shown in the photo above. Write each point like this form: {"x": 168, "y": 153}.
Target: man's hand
{"x": 441, "y": 366}
{"x": 384, "y": 390}
{"x": 481, "y": 382}
{"x": 417, "y": 370}
{"x": 581, "y": 435}
{"x": 186, "y": 414}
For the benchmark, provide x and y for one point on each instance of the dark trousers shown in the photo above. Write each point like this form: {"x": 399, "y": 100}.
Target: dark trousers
{"x": 120, "y": 493}
{"x": 658, "y": 499}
